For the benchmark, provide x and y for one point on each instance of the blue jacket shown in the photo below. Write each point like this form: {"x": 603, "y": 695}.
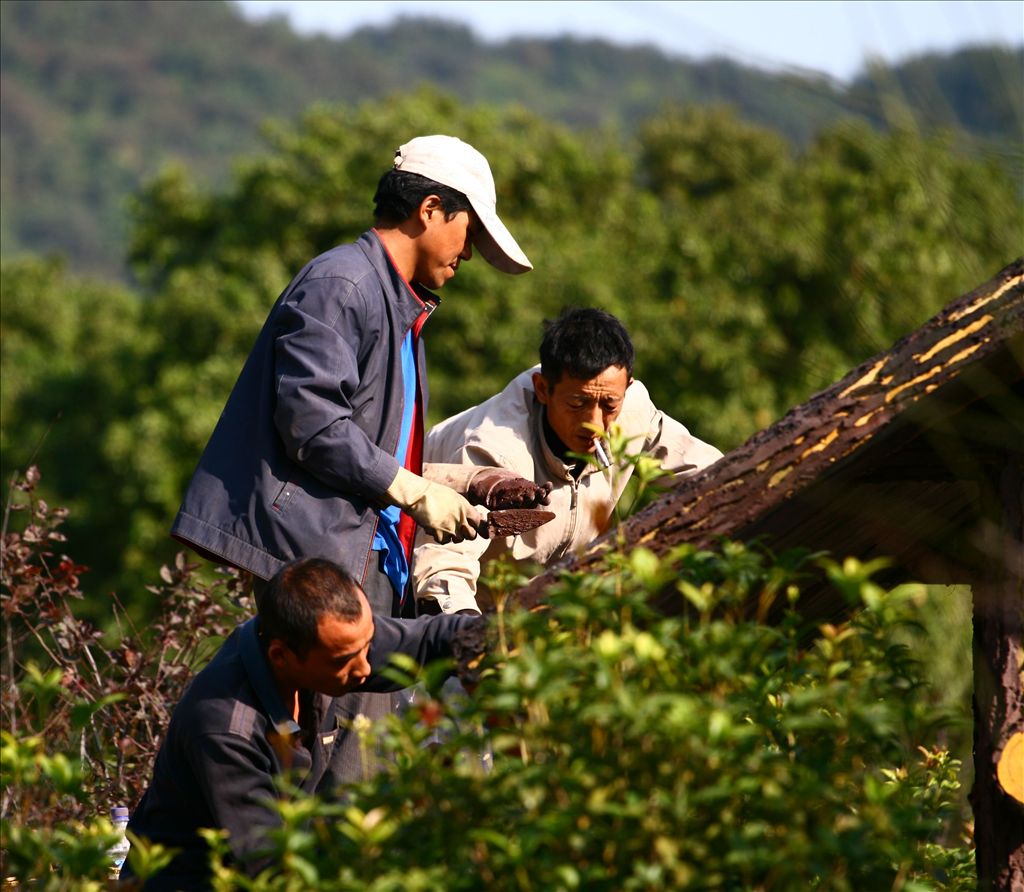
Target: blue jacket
{"x": 304, "y": 449}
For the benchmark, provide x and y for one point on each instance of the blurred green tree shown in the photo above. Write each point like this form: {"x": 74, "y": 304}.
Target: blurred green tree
{"x": 71, "y": 366}
{"x": 749, "y": 275}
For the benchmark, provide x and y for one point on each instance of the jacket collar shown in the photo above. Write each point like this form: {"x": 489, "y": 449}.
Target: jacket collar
{"x": 262, "y": 679}
{"x": 410, "y": 298}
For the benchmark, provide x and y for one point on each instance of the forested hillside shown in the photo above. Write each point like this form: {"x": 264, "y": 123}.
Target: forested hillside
{"x": 98, "y": 96}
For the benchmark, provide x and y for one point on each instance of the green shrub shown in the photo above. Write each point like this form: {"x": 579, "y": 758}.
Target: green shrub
{"x": 83, "y": 711}
{"x": 606, "y": 747}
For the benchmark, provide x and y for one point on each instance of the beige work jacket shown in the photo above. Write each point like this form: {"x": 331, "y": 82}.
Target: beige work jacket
{"x": 506, "y": 431}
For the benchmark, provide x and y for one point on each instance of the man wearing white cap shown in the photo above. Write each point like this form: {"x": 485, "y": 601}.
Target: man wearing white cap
{"x": 318, "y": 452}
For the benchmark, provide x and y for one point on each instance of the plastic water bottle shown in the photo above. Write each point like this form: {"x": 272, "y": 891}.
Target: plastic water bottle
{"x": 119, "y": 850}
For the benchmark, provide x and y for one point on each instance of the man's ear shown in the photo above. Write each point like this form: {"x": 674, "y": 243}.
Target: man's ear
{"x": 429, "y": 207}
{"x": 541, "y": 388}
{"x": 279, "y": 654}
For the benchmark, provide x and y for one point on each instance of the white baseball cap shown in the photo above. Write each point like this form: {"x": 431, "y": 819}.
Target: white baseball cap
{"x": 456, "y": 164}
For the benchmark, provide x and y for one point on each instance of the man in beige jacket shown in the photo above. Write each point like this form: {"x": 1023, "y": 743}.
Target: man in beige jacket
{"x": 583, "y": 385}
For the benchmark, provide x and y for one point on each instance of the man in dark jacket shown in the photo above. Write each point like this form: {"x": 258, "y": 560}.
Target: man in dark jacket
{"x": 276, "y": 701}
{"x": 318, "y": 450}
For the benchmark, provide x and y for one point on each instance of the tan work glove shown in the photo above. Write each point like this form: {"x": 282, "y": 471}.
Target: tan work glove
{"x": 442, "y": 512}
{"x": 498, "y": 488}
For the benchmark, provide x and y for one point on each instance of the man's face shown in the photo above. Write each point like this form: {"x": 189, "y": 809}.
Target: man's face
{"x": 443, "y": 244}
{"x": 337, "y": 663}
{"x": 571, "y": 403}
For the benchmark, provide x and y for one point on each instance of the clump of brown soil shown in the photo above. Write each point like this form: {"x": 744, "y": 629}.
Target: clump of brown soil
{"x": 514, "y": 521}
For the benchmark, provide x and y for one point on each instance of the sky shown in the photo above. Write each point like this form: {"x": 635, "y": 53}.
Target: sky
{"x": 832, "y": 38}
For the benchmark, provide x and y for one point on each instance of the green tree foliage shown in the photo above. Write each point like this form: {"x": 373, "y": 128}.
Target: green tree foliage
{"x": 749, "y": 274}
{"x": 71, "y": 369}
{"x": 794, "y": 268}
{"x": 99, "y": 95}
{"x": 746, "y": 272}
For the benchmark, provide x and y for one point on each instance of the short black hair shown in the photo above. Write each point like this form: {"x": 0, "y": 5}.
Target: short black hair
{"x": 399, "y": 193}
{"x": 583, "y": 342}
{"x": 300, "y": 594}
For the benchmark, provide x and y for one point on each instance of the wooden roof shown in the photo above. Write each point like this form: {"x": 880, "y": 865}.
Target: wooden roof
{"x": 901, "y": 458}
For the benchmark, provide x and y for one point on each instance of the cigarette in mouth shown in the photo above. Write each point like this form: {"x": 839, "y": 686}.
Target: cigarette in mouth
{"x": 602, "y": 457}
